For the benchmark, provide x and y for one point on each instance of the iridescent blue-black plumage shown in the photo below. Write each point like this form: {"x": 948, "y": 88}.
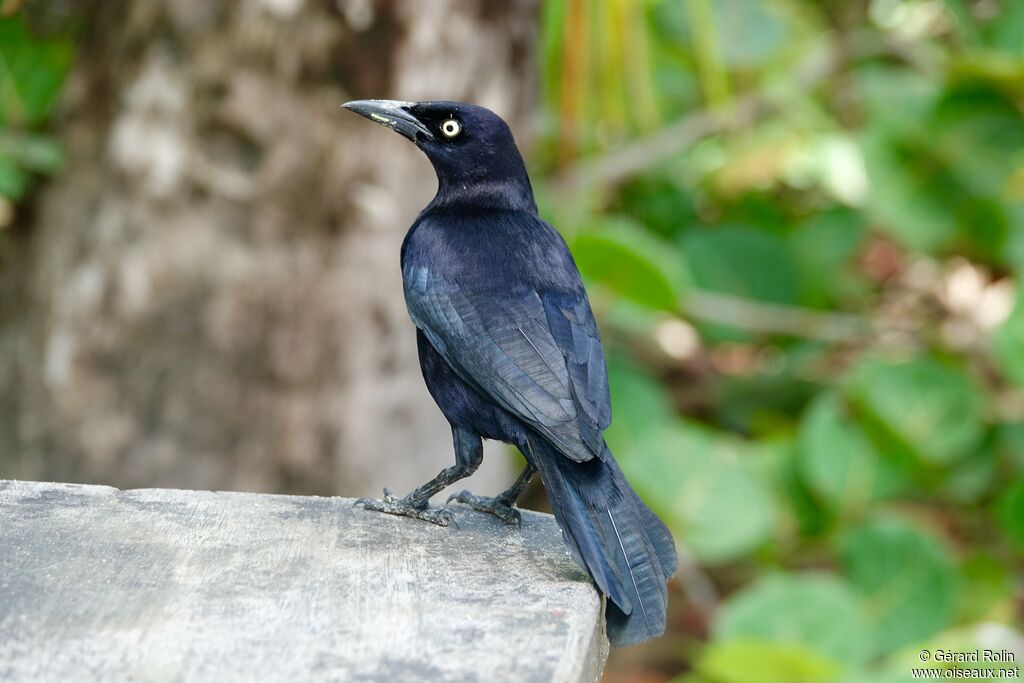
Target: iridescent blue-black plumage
{"x": 510, "y": 351}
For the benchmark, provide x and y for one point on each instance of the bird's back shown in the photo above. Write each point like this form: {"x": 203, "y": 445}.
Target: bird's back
{"x": 491, "y": 249}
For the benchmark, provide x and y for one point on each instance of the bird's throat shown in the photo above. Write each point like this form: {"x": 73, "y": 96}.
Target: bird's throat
{"x": 508, "y": 194}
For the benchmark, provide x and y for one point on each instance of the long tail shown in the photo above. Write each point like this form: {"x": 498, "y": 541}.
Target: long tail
{"x": 614, "y": 536}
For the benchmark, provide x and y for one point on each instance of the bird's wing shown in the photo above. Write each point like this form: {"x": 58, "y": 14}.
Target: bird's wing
{"x": 538, "y": 355}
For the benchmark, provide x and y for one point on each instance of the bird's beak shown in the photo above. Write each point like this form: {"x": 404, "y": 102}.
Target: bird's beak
{"x": 393, "y": 114}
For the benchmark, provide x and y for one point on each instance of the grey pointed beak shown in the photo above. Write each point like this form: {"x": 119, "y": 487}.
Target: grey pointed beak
{"x": 392, "y": 114}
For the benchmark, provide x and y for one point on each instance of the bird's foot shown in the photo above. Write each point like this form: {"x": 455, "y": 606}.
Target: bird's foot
{"x": 405, "y": 507}
{"x": 499, "y": 507}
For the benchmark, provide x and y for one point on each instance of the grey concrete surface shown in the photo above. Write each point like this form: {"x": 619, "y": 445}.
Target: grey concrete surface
{"x": 98, "y": 584}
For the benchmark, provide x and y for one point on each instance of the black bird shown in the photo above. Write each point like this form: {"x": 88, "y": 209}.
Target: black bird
{"x": 510, "y": 351}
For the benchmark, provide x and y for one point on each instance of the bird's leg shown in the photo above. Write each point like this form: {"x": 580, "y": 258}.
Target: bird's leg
{"x": 469, "y": 451}
{"x": 502, "y": 505}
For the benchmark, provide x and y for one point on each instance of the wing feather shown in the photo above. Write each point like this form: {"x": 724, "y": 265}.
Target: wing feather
{"x": 536, "y": 354}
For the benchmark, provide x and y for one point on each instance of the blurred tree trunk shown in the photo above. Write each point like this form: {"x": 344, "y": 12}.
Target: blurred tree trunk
{"x": 209, "y": 294}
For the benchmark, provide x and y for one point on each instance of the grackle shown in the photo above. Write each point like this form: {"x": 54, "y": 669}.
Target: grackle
{"x": 510, "y": 351}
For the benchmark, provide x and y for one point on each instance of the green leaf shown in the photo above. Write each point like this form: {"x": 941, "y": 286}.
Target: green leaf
{"x": 1008, "y": 341}
{"x": 809, "y": 516}
{"x": 640, "y": 407}
{"x": 824, "y": 246}
{"x": 32, "y": 70}
{"x": 937, "y": 161}
{"x": 696, "y": 477}
{"x": 837, "y": 460}
{"x": 818, "y": 612}
{"x": 1009, "y": 445}
{"x": 911, "y": 191}
{"x": 1005, "y": 33}
{"x": 13, "y": 180}
{"x": 750, "y": 263}
{"x": 987, "y": 590}
{"x": 1010, "y": 512}
{"x": 906, "y": 578}
{"x": 633, "y": 263}
{"x": 975, "y": 124}
{"x": 970, "y": 479}
{"x": 659, "y": 203}
{"x": 749, "y": 32}
{"x": 896, "y": 99}
{"x": 747, "y": 660}
{"x": 933, "y": 409}
{"x": 38, "y": 153}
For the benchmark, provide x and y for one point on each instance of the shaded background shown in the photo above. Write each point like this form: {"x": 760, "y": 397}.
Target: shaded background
{"x": 801, "y": 223}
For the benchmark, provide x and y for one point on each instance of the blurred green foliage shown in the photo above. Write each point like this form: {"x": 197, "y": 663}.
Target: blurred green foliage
{"x": 32, "y": 70}
{"x": 802, "y": 225}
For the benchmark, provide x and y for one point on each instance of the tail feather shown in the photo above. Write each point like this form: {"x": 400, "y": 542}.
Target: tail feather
{"x": 661, "y": 537}
{"x": 614, "y": 536}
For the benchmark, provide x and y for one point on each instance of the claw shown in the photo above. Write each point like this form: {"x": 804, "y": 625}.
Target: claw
{"x": 494, "y": 506}
{"x": 368, "y": 503}
{"x": 402, "y": 507}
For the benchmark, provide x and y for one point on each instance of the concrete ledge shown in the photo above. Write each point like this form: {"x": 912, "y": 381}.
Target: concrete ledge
{"x": 166, "y": 585}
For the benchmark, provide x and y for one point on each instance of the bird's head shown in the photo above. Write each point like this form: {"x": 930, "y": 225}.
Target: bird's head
{"x": 471, "y": 148}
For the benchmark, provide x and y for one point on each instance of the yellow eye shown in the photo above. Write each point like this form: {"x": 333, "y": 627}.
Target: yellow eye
{"x": 451, "y": 128}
